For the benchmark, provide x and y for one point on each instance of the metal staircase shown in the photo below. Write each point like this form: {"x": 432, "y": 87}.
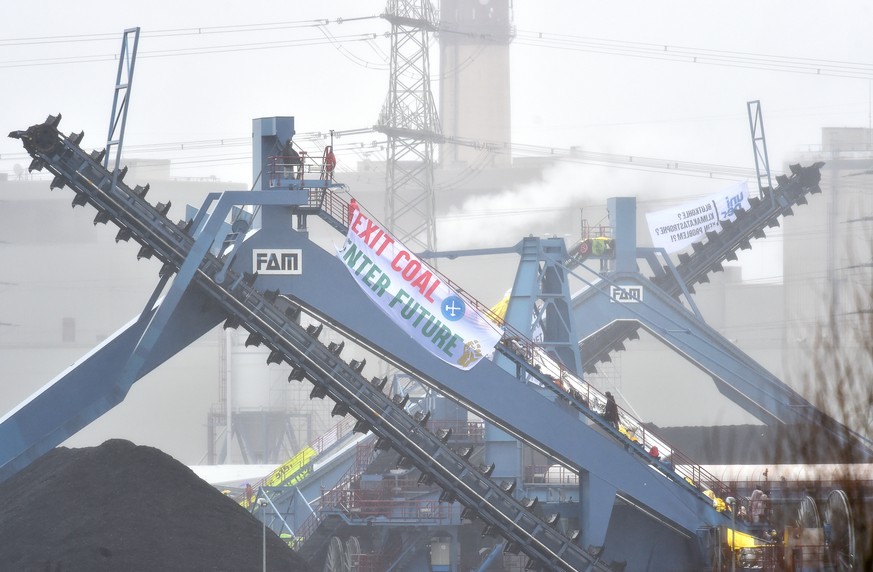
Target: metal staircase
{"x": 316, "y": 530}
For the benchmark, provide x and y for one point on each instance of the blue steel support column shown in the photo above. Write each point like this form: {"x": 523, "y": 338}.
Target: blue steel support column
{"x": 123, "y": 87}
{"x": 541, "y": 276}
{"x": 524, "y": 293}
{"x": 92, "y": 386}
{"x": 456, "y": 550}
{"x": 623, "y": 217}
{"x": 596, "y": 499}
{"x": 501, "y": 448}
{"x": 559, "y": 327}
{"x": 102, "y": 379}
{"x": 157, "y": 325}
{"x": 269, "y": 135}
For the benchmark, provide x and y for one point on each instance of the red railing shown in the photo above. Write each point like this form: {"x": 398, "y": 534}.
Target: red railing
{"x": 328, "y": 499}
{"x": 649, "y": 445}
{"x": 330, "y": 203}
{"x": 282, "y": 170}
{"x": 362, "y": 504}
{"x": 595, "y": 231}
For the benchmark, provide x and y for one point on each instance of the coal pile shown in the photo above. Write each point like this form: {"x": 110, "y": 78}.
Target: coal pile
{"x": 123, "y": 507}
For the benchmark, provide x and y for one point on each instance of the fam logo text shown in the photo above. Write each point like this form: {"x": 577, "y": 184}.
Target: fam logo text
{"x": 277, "y": 261}
{"x": 626, "y": 294}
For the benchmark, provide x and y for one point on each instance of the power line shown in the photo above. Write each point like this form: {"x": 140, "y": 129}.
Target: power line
{"x": 667, "y": 52}
{"x": 191, "y": 51}
{"x": 564, "y": 155}
{"x": 173, "y": 32}
{"x": 381, "y": 65}
{"x": 683, "y": 54}
{"x": 636, "y": 49}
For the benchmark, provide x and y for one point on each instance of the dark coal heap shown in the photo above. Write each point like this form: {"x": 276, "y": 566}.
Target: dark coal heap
{"x": 123, "y": 507}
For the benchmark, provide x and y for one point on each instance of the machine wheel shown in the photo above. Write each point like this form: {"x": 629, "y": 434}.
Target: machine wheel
{"x": 333, "y": 560}
{"x": 841, "y": 544}
{"x": 346, "y": 561}
{"x": 353, "y": 550}
{"x": 807, "y": 513}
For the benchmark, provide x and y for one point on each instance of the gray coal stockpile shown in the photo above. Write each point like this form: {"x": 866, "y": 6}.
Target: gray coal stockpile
{"x": 123, "y": 507}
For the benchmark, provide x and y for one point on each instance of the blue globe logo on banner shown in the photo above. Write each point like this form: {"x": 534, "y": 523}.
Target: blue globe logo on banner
{"x": 453, "y": 308}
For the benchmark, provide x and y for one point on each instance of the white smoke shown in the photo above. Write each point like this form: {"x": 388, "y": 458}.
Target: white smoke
{"x": 548, "y": 207}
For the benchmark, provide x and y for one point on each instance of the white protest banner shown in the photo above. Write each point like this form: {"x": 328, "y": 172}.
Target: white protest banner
{"x": 415, "y": 297}
{"x": 677, "y": 228}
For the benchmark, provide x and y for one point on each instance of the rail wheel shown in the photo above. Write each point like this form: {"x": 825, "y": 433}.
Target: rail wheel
{"x": 807, "y": 513}
{"x": 334, "y": 559}
{"x": 841, "y": 544}
{"x": 353, "y": 552}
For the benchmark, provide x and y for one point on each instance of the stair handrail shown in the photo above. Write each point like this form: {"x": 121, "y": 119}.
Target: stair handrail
{"x": 325, "y": 500}
{"x": 291, "y": 470}
{"x": 521, "y": 346}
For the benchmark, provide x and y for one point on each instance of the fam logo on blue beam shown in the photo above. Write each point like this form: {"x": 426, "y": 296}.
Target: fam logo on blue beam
{"x": 453, "y": 308}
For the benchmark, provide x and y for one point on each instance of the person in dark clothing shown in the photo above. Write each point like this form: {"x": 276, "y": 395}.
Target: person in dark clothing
{"x": 610, "y": 413}
{"x": 291, "y": 162}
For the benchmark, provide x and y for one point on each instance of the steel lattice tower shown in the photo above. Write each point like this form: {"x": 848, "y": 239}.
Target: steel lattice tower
{"x": 410, "y": 122}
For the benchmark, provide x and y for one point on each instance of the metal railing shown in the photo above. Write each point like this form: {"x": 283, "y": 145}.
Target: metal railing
{"x": 284, "y": 169}
{"x": 567, "y": 384}
{"x": 329, "y": 498}
{"x": 356, "y": 506}
{"x": 290, "y": 471}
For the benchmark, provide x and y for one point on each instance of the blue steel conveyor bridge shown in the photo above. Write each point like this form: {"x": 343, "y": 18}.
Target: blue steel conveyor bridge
{"x": 214, "y": 283}
{"x": 605, "y": 327}
{"x": 595, "y": 325}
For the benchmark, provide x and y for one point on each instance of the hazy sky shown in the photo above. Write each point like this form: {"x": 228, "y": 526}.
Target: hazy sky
{"x": 665, "y": 80}
{"x": 602, "y": 76}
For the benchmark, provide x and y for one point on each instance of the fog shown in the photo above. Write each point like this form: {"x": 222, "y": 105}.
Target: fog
{"x": 666, "y": 84}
